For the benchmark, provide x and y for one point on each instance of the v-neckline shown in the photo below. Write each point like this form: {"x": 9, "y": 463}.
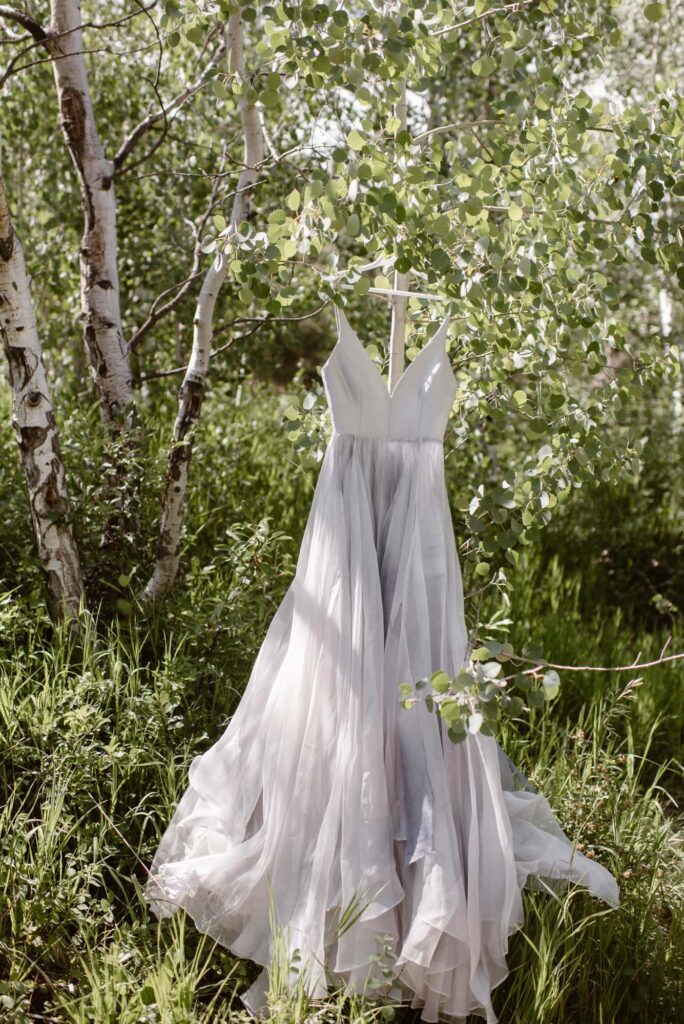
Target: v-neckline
{"x": 342, "y": 321}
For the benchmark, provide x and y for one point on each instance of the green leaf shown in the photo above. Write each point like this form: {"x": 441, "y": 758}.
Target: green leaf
{"x": 462, "y": 679}
{"x": 293, "y": 200}
{"x": 515, "y": 213}
{"x": 356, "y": 140}
{"x": 288, "y": 248}
{"x": 475, "y": 723}
{"x": 457, "y": 732}
{"x": 520, "y": 398}
{"x": 147, "y": 996}
{"x": 483, "y": 66}
{"x": 440, "y": 259}
{"x": 353, "y": 225}
{"x": 440, "y": 682}
{"x": 654, "y": 12}
{"x": 551, "y": 684}
{"x": 450, "y": 710}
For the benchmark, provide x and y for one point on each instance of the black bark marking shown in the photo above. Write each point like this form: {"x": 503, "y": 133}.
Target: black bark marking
{"x": 54, "y": 502}
{"x": 72, "y": 109}
{"x": 190, "y": 398}
{"x": 21, "y": 364}
{"x": 7, "y": 247}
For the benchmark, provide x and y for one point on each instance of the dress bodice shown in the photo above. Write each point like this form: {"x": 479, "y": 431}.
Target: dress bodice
{"x": 360, "y": 403}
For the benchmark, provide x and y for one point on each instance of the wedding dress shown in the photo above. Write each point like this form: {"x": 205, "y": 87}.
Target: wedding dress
{"x": 323, "y": 790}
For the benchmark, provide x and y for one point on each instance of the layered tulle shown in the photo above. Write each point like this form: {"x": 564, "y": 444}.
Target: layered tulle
{"x": 323, "y": 794}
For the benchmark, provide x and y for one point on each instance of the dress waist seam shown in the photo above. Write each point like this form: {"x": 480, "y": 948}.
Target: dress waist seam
{"x": 388, "y": 437}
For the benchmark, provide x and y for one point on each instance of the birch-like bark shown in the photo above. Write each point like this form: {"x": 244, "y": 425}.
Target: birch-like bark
{"x": 191, "y": 393}
{"x": 401, "y": 282}
{"x": 35, "y": 426}
{"x": 665, "y": 310}
{"x": 108, "y": 353}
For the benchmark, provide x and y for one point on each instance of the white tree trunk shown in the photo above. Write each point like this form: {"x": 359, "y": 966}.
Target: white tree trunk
{"x": 191, "y": 391}
{"x": 665, "y": 309}
{"x": 108, "y": 353}
{"x": 34, "y": 423}
{"x": 401, "y": 283}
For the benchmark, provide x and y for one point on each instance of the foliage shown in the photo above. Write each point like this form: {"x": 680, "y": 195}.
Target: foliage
{"x": 538, "y": 186}
{"x": 96, "y": 740}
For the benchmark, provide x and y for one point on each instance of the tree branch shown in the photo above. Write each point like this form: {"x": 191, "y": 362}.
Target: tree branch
{"x": 258, "y": 323}
{"x": 191, "y": 392}
{"x": 157, "y": 312}
{"x": 163, "y": 113}
{"x": 636, "y": 664}
{"x": 507, "y": 9}
{"x": 23, "y": 19}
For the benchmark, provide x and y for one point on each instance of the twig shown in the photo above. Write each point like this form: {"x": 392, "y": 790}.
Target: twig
{"x": 595, "y": 668}
{"x": 162, "y": 114}
{"x": 508, "y": 9}
{"x": 257, "y": 321}
{"x": 25, "y": 20}
{"x": 443, "y": 128}
{"x": 157, "y": 312}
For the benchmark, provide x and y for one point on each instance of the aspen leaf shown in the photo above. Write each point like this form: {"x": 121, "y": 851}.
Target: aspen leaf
{"x": 353, "y": 225}
{"x": 456, "y": 735}
{"x": 475, "y": 723}
{"x": 483, "y": 66}
{"x": 355, "y": 140}
{"x": 654, "y": 12}
{"x": 551, "y": 684}
{"x": 440, "y": 682}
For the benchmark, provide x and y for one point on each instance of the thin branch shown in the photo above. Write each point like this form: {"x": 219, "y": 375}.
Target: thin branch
{"x": 258, "y": 323}
{"x": 443, "y": 128}
{"x": 595, "y": 668}
{"x": 53, "y": 59}
{"x": 157, "y": 312}
{"x": 508, "y": 9}
{"x": 162, "y": 114}
{"x": 25, "y": 20}
{"x": 40, "y": 35}
{"x": 154, "y": 84}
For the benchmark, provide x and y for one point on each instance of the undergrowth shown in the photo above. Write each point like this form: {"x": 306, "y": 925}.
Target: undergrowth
{"x": 96, "y": 737}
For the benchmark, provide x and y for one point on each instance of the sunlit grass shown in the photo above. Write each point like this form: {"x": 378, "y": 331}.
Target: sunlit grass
{"x": 95, "y": 741}
{"x": 97, "y": 733}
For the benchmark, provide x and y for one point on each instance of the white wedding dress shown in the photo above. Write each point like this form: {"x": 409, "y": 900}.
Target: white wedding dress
{"x": 323, "y": 789}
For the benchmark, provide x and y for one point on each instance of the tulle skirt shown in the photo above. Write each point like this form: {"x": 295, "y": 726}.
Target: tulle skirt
{"x": 353, "y": 824}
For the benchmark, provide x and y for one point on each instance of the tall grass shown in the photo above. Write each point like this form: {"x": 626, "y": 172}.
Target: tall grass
{"x": 96, "y": 736}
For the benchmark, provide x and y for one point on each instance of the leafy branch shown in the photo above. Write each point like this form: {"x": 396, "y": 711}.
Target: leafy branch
{"x": 481, "y": 695}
